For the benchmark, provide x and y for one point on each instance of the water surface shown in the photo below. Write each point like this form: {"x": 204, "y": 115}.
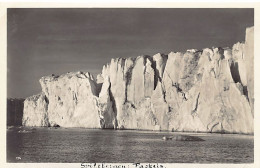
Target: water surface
{"x": 124, "y": 146}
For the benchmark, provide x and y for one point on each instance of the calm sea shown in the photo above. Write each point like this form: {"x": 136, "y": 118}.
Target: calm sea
{"x": 126, "y": 146}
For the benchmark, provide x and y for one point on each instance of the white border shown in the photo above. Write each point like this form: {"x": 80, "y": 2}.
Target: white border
{"x": 118, "y": 4}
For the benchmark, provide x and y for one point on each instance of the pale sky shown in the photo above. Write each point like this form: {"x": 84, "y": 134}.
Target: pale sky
{"x": 55, "y": 41}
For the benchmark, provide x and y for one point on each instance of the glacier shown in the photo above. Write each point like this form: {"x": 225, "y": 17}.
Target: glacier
{"x": 209, "y": 90}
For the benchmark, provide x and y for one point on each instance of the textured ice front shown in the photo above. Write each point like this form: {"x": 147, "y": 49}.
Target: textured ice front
{"x": 35, "y": 111}
{"x": 203, "y": 91}
{"x": 69, "y": 101}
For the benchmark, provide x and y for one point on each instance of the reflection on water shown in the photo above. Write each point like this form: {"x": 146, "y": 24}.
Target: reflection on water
{"x": 86, "y": 145}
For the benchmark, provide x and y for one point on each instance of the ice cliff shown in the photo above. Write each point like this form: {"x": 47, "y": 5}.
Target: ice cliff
{"x": 209, "y": 90}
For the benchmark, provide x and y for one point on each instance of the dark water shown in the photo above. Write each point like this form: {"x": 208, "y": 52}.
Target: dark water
{"x": 85, "y": 145}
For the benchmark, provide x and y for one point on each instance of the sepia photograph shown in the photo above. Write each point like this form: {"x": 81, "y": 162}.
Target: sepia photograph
{"x": 130, "y": 85}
